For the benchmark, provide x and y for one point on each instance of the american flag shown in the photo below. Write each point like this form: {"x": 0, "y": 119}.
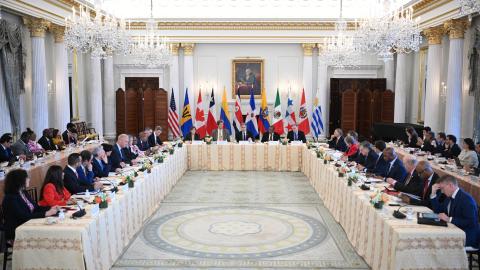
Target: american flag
{"x": 173, "y": 117}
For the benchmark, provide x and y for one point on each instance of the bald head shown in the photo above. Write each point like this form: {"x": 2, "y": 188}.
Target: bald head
{"x": 424, "y": 169}
{"x": 389, "y": 154}
{"x": 410, "y": 163}
{"x": 122, "y": 140}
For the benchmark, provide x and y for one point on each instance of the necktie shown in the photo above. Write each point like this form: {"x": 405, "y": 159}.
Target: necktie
{"x": 408, "y": 179}
{"x": 450, "y": 205}
{"x": 244, "y": 136}
{"x": 425, "y": 187}
{"x": 271, "y": 137}
{"x": 76, "y": 173}
{"x": 100, "y": 163}
{"x": 121, "y": 154}
{"x": 295, "y": 137}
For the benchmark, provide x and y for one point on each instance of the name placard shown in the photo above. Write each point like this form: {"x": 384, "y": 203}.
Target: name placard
{"x": 296, "y": 142}
{"x": 273, "y": 143}
{"x": 244, "y": 142}
{"x": 222, "y": 142}
{"x": 197, "y": 142}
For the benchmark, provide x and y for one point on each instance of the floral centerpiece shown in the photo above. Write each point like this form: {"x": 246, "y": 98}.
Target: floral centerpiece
{"x": 102, "y": 199}
{"x": 284, "y": 141}
{"x": 320, "y": 153}
{"x": 342, "y": 171}
{"x": 130, "y": 182}
{"x": 158, "y": 158}
{"x": 352, "y": 178}
{"x": 208, "y": 139}
{"x": 378, "y": 199}
{"x": 147, "y": 166}
{"x": 171, "y": 149}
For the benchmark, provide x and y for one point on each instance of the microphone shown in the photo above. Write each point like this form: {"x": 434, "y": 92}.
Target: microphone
{"x": 398, "y": 214}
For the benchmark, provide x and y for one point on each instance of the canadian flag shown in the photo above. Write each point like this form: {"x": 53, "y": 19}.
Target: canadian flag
{"x": 238, "y": 119}
{"x": 200, "y": 117}
{"x": 304, "y": 124}
{"x": 211, "y": 120}
{"x": 290, "y": 118}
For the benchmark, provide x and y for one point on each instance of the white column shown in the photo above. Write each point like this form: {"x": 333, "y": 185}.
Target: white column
{"x": 323, "y": 94}
{"x": 109, "y": 99}
{"x": 389, "y": 74}
{"x": 188, "y": 72}
{"x": 62, "y": 95}
{"x": 453, "y": 112}
{"x": 39, "y": 74}
{"x": 432, "y": 96}
{"x": 401, "y": 89}
{"x": 174, "y": 76}
{"x": 307, "y": 77}
{"x": 96, "y": 95}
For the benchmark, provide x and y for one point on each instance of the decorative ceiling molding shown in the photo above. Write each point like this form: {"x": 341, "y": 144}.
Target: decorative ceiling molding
{"x": 424, "y": 6}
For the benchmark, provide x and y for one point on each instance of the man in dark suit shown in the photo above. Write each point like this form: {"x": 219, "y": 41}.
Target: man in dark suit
{"x": 296, "y": 135}
{"x": 380, "y": 164}
{"x": 119, "y": 158}
{"x": 142, "y": 143}
{"x": 192, "y": 135}
{"x": 337, "y": 141}
{"x": 429, "y": 143}
{"x": 70, "y": 135}
{"x": 428, "y": 178}
{"x": 458, "y": 207}
{"x": 451, "y": 147}
{"x": 85, "y": 170}
{"x": 243, "y": 134}
{"x": 412, "y": 183}
{"x": 367, "y": 159}
{"x": 70, "y": 176}
{"x": 20, "y": 147}
{"x": 100, "y": 165}
{"x": 46, "y": 140}
{"x": 154, "y": 138}
{"x": 6, "y": 153}
{"x": 270, "y": 135}
{"x": 221, "y": 133}
{"x": 441, "y": 138}
{"x": 394, "y": 168}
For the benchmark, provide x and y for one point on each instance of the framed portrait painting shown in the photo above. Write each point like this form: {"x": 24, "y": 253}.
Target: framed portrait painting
{"x": 247, "y": 75}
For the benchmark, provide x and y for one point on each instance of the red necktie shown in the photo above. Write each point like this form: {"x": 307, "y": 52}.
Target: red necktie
{"x": 425, "y": 187}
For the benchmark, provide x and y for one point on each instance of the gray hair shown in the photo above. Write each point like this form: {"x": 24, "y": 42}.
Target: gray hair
{"x": 366, "y": 145}
{"x": 350, "y": 139}
{"x": 410, "y": 160}
{"x": 97, "y": 151}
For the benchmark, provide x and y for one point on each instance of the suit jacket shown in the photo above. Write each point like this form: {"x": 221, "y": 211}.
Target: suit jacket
{"x": 188, "y": 137}
{"x": 47, "y": 143}
{"x": 17, "y": 212}
{"x": 380, "y": 166}
{"x": 339, "y": 144}
{"x": 130, "y": 154}
{"x": 117, "y": 156}
{"x": 412, "y": 142}
{"x": 397, "y": 170}
{"x": 440, "y": 148}
{"x": 68, "y": 140}
{"x": 100, "y": 168}
{"x": 154, "y": 140}
{"x": 368, "y": 161}
{"x": 6, "y": 154}
{"x": 72, "y": 183}
{"x": 143, "y": 145}
{"x": 85, "y": 179}
{"x": 21, "y": 148}
{"x": 412, "y": 184}
{"x": 239, "y": 136}
{"x": 452, "y": 152}
{"x": 266, "y": 136}
{"x": 300, "y": 136}
{"x": 226, "y": 136}
{"x": 428, "y": 147}
{"x": 425, "y": 198}
{"x": 464, "y": 214}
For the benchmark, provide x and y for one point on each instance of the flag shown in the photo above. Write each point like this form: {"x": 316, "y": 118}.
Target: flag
{"x": 317, "y": 123}
{"x": 173, "y": 117}
{"x": 186, "y": 121}
{"x": 200, "y": 117}
{"x": 238, "y": 118}
{"x": 251, "y": 121}
{"x": 277, "y": 115}
{"x": 303, "y": 124}
{"x": 290, "y": 118}
{"x": 264, "y": 118}
{"x": 224, "y": 113}
{"x": 211, "y": 120}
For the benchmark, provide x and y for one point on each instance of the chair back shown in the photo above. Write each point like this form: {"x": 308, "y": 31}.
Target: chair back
{"x": 32, "y": 192}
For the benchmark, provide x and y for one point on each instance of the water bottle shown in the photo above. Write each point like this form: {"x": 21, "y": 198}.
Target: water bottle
{"x": 61, "y": 215}
{"x": 87, "y": 194}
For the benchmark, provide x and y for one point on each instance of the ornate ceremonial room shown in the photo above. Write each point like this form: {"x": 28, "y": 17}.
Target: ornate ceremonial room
{"x": 240, "y": 134}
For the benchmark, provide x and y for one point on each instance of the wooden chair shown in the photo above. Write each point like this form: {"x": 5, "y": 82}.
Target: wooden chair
{"x": 4, "y": 244}
{"x": 32, "y": 192}
{"x": 470, "y": 253}
{"x": 83, "y": 130}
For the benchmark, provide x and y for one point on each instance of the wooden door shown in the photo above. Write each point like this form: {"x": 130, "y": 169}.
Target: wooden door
{"x": 161, "y": 111}
{"x": 365, "y": 112}
{"x": 349, "y": 110}
{"x": 120, "y": 111}
{"x": 388, "y": 106}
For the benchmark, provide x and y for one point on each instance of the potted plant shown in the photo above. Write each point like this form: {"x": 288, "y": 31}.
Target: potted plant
{"x": 130, "y": 182}
{"x": 180, "y": 144}
{"x": 102, "y": 200}
{"x": 378, "y": 199}
{"x": 171, "y": 150}
{"x": 284, "y": 141}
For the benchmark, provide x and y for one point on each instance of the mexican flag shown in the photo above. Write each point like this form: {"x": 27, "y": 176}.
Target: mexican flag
{"x": 277, "y": 115}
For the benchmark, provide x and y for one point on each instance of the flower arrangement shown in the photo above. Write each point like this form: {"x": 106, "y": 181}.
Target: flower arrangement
{"x": 158, "y": 158}
{"x": 378, "y": 199}
{"x": 171, "y": 149}
{"x": 352, "y": 178}
{"x": 102, "y": 199}
{"x": 147, "y": 166}
{"x": 342, "y": 171}
{"x": 208, "y": 139}
{"x": 284, "y": 141}
{"x": 130, "y": 182}
{"x": 180, "y": 144}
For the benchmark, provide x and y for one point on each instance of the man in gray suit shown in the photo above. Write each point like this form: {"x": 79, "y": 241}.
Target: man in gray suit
{"x": 20, "y": 148}
{"x": 221, "y": 133}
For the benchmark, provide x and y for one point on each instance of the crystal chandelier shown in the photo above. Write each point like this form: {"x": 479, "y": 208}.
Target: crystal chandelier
{"x": 384, "y": 35}
{"x": 151, "y": 50}
{"x": 340, "y": 51}
{"x": 101, "y": 36}
{"x": 469, "y": 7}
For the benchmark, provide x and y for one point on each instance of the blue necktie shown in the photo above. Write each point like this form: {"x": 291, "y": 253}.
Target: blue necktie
{"x": 121, "y": 154}
{"x": 100, "y": 163}
{"x": 295, "y": 137}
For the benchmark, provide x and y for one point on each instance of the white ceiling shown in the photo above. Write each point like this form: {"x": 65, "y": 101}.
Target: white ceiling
{"x": 241, "y": 9}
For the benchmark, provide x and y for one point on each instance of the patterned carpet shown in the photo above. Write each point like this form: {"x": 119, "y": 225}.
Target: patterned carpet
{"x": 241, "y": 220}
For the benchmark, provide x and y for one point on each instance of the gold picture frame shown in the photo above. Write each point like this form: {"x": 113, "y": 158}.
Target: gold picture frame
{"x": 247, "y": 73}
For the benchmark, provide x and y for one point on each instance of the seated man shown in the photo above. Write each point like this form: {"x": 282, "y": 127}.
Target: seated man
{"x": 367, "y": 158}
{"x": 142, "y": 143}
{"x": 441, "y": 139}
{"x": 85, "y": 170}
{"x": 270, "y": 135}
{"x": 154, "y": 138}
{"x": 243, "y": 134}
{"x": 337, "y": 141}
{"x": 394, "y": 168}
{"x": 46, "y": 141}
{"x": 412, "y": 184}
{"x": 20, "y": 147}
{"x": 119, "y": 158}
{"x": 296, "y": 135}
{"x": 6, "y": 153}
{"x": 192, "y": 135}
{"x": 451, "y": 147}
{"x": 221, "y": 133}
{"x": 70, "y": 176}
{"x": 100, "y": 164}
{"x": 458, "y": 208}
{"x": 70, "y": 135}
{"x": 380, "y": 164}
{"x": 428, "y": 178}
{"x": 429, "y": 143}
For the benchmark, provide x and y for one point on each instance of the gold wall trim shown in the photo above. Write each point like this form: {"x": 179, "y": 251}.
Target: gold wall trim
{"x": 425, "y": 6}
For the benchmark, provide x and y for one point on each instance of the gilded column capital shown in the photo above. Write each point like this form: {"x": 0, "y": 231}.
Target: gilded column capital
{"x": 308, "y": 49}
{"x": 174, "y": 47}
{"x": 434, "y": 35}
{"x": 456, "y": 28}
{"x": 58, "y": 32}
{"x": 188, "y": 48}
{"x": 37, "y": 26}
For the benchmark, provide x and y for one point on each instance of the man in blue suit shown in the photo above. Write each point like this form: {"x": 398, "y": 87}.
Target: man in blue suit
{"x": 367, "y": 159}
{"x": 394, "y": 168}
{"x": 85, "y": 170}
{"x": 459, "y": 208}
{"x": 380, "y": 163}
{"x": 6, "y": 153}
{"x": 100, "y": 164}
{"x": 119, "y": 158}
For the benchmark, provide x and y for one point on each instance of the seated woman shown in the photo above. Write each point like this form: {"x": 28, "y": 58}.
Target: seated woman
{"x": 57, "y": 139}
{"x": 53, "y": 191}
{"x": 17, "y": 205}
{"x": 352, "y": 151}
{"x": 33, "y": 146}
{"x": 468, "y": 157}
{"x": 412, "y": 138}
